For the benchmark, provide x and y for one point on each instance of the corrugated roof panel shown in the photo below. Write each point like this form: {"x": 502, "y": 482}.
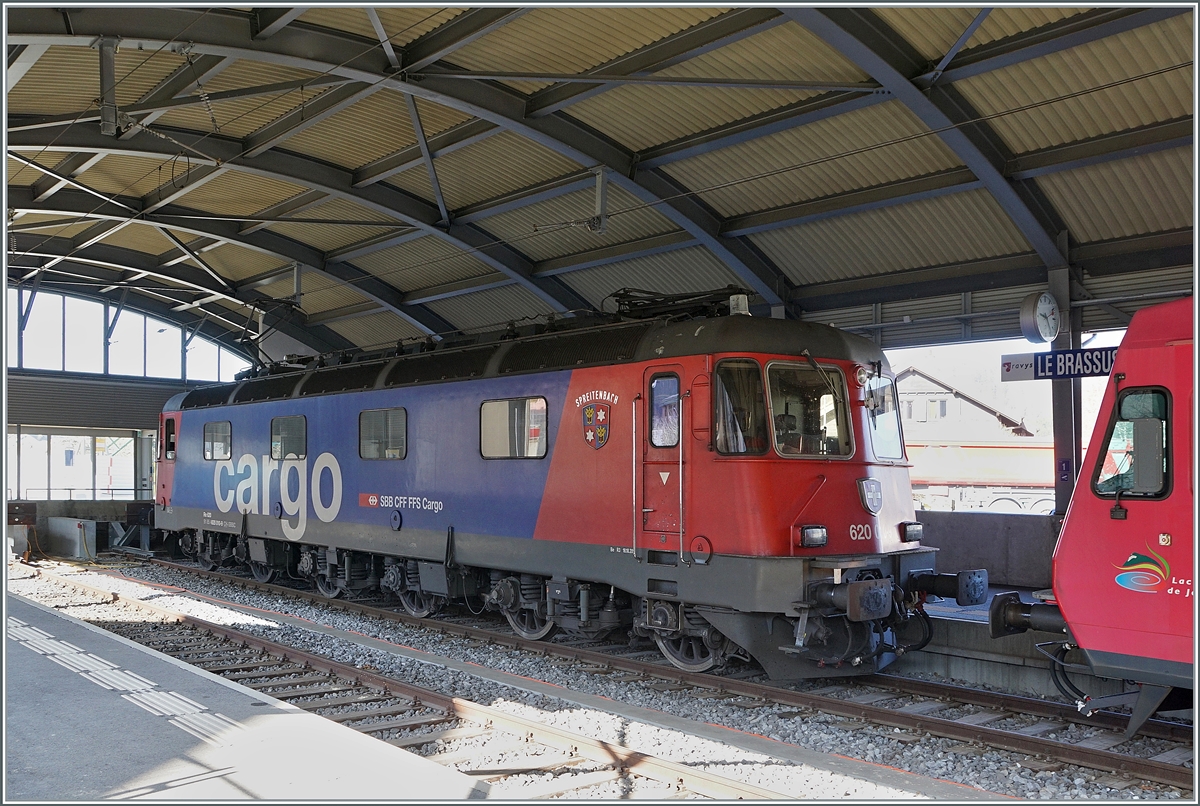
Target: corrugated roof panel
{"x": 933, "y": 31}
{"x": 402, "y": 25}
{"x": 783, "y": 52}
{"x": 692, "y": 269}
{"x": 1150, "y": 193}
{"x": 1115, "y": 59}
{"x": 141, "y": 238}
{"x": 376, "y": 330}
{"x": 931, "y": 232}
{"x": 318, "y": 293}
{"x": 519, "y": 226}
{"x": 489, "y": 310}
{"x": 1005, "y": 21}
{"x": 841, "y": 317}
{"x": 236, "y": 193}
{"x": 240, "y": 116}
{"x": 1179, "y": 278}
{"x": 21, "y": 174}
{"x": 422, "y": 263}
{"x": 67, "y": 79}
{"x": 327, "y": 237}
{"x": 237, "y": 263}
{"x": 132, "y": 176}
{"x": 901, "y": 333}
{"x": 1001, "y": 326}
{"x": 825, "y": 147}
{"x": 62, "y": 231}
{"x": 570, "y": 40}
{"x": 500, "y": 164}
{"x": 374, "y": 127}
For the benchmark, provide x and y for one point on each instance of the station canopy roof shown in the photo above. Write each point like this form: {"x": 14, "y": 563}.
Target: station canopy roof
{"x": 911, "y": 173}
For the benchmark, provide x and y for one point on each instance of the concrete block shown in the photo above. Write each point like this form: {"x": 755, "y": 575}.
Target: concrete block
{"x": 71, "y": 537}
{"x": 1015, "y": 549}
{"x": 18, "y": 540}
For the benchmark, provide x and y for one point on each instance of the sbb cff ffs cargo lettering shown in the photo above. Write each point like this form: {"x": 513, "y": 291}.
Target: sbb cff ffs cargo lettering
{"x": 1123, "y": 587}
{"x": 730, "y": 486}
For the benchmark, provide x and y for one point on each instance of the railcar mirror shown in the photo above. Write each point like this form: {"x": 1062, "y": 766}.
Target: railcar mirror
{"x": 1148, "y": 436}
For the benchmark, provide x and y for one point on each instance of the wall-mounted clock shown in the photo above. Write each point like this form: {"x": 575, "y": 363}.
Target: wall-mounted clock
{"x": 1040, "y": 318}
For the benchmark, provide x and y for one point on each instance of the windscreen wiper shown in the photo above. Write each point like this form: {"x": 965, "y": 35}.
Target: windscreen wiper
{"x": 836, "y": 397}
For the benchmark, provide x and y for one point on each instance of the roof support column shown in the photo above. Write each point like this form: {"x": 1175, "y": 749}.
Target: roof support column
{"x": 108, "y": 85}
{"x": 1066, "y": 397}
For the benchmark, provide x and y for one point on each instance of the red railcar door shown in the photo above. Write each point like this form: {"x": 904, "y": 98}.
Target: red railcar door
{"x": 663, "y": 457}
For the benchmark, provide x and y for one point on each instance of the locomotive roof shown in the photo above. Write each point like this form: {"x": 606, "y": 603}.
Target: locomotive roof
{"x": 623, "y": 342}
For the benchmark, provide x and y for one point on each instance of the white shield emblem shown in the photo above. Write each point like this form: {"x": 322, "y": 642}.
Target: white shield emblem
{"x": 871, "y": 493}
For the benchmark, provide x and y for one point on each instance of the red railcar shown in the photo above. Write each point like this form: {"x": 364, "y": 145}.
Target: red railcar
{"x": 1123, "y": 578}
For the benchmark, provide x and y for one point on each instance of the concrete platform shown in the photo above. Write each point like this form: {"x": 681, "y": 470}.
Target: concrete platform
{"x": 92, "y": 716}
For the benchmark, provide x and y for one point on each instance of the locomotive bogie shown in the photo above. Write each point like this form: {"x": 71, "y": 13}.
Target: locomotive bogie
{"x": 723, "y": 502}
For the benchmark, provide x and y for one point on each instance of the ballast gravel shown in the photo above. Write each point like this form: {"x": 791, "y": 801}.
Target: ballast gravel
{"x": 991, "y": 770}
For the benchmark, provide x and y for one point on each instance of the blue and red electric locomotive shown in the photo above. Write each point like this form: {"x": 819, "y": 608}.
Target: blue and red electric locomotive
{"x": 731, "y": 486}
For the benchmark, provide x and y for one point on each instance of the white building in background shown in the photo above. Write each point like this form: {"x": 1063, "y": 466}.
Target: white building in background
{"x": 969, "y": 455}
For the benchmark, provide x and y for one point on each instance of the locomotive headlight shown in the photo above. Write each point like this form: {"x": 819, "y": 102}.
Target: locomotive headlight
{"x": 861, "y": 375}
{"x": 911, "y": 532}
{"x": 813, "y": 536}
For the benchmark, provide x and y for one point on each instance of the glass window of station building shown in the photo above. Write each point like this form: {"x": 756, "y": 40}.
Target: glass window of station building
{"x": 67, "y": 334}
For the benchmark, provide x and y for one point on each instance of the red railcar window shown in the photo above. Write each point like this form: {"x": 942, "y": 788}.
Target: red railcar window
{"x": 664, "y": 411}
{"x": 741, "y": 408}
{"x": 1135, "y": 458}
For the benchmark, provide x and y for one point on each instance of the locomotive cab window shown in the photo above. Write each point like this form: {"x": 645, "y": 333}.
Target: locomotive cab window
{"x": 513, "y": 429}
{"x": 383, "y": 434}
{"x": 809, "y": 408}
{"x": 218, "y": 440}
{"x": 1135, "y": 460}
{"x": 169, "y": 438}
{"x": 741, "y": 408}
{"x": 883, "y": 417}
{"x": 289, "y": 438}
{"x": 664, "y": 411}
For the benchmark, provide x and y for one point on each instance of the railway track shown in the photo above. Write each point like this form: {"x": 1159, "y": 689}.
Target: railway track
{"x": 416, "y": 718}
{"x": 976, "y": 718}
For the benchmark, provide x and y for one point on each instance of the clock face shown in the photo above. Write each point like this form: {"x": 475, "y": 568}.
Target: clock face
{"x": 1040, "y": 317}
{"x": 1047, "y": 317}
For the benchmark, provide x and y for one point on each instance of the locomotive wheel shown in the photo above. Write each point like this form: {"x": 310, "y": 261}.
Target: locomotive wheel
{"x": 187, "y": 544}
{"x": 419, "y": 604}
{"x": 262, "y": 572}
{"x": 329, "y": 590}
{"x": 530, "y": 625}
{"x": 687, "y": 652}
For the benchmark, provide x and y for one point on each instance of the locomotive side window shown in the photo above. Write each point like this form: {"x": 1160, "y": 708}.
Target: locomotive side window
{"x": 1135, "y": 459}
{"x": 513, "y": 429}
{"x": 810, "y": 419}
{"x": 883, "y": 417}
{"x": 289, "y": 438}
{"x": 664, "y": 411}
{"x": 218, "y": 440}
{"x": 741, "y": 408}
{"x": 169, "y": 438}
{"x": 383, "y": 434}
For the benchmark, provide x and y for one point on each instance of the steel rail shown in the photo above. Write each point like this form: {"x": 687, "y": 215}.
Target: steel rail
{"x": 1106, "y": 760}
{"x": 598, "y": 750}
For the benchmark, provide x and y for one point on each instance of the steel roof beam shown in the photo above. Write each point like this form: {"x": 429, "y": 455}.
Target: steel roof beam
{"x": 345, "y": 312}
{"x": 456, "y": 33}
{"x": 419, "y": 132}
{"x": 318, "y": 176}
{"x": 441, "y": 144}
{"x": 18, "y": 123}
{"x": 305, "y": 116}
{"x": 266, "y": 22}
{"x": 1066, "y": 157}
{"x": 190, "y": 74}
{"x": 179, "y": 254}
{"x": 109, "y": 264}
{"x": 868, "y": 42}
{"x": 1120, "y": 256}
{"x": 265, "y": 242}
{"x": 297, "y": 204}
{"x": 324, "y": 51}
{"x": 376, "y": 244}
{"x": 705, "y": 37}
{"x": 73, "y": 166}
{"x": 384, "y": 41}
{"x": 1071, "y": 32}
{"x": 561, "y": 186}
{"x": 19, "y": 62}
{"x": 457, "y": 288}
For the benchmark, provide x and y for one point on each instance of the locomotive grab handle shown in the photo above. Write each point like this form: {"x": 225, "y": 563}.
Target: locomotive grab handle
{"x": 688, "y": 393}
{"x": 634, "y": 458}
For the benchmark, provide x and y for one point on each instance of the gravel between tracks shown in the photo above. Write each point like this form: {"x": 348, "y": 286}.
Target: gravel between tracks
{"x": 991, "y": 770}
